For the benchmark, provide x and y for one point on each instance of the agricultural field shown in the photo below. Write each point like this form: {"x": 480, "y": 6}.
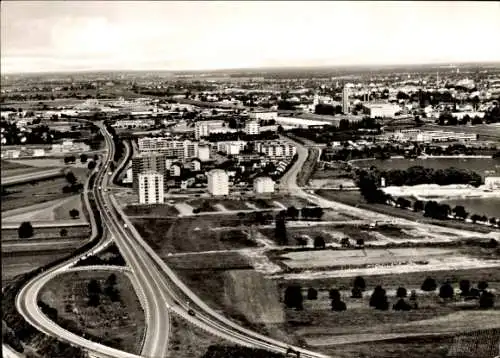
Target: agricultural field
{"x": 192, "y": 234}
{"x": 160, "y": 210}
{"x": 119, "y": 323}
{"x": 23, "y": 195}
{"x": 187, "y": 340}
{"x": 13, "y": 265}
{"x": 42, "y": 233}
{"x": 338, "y": 333}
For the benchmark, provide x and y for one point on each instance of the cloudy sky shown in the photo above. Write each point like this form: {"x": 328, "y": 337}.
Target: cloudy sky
{"x": 91, "y": 35}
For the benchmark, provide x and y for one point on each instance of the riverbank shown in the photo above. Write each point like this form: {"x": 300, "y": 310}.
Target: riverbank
{"x": 442, "y": 192}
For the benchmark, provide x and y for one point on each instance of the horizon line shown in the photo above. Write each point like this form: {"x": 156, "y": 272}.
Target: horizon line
{"x": 256, "y": 68}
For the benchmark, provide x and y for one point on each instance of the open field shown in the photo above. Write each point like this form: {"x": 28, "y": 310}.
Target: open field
{"x": 161, "y": 210}
{"x": 363, "y": 258}
{"x": 48, "y": 233}
{"x": 51, "y": 162}
{"x": 15, "y": 169}
{"x": 119, "y": 324}
{"x": 188, "y": 341}
{"x": 354, "y": 198}
{"x": 49, "y": 211}
{"x": 20, "y": 264}
{"x": 9, "y": 165}
{"x": 38, "y": 192}
{"x": 191, "y": 234}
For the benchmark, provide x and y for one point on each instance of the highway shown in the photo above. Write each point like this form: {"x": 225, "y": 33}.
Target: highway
{"x": 162, "y": 283}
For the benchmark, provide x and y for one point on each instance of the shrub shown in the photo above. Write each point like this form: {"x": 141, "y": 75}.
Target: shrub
{"x": 446, "y": 291}
{"x": 401, "y": 292}
{"x": 312, "y": 294}
{"x": 482, "y": 285}
{"x": 487, "y": 300}
{"x": 464, "y": 287}
{"x": 359, "y": 282}
{"x": 429, "y": 284}
{"x": 25, "y": 230}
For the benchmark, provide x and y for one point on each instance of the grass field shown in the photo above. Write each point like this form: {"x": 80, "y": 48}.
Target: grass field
{"x": 354, "y": 198}
{"x": 151, "y": 210}
{"x": 188, "y": 341}
{"x": 20, "y": 264}
{"x": 120, "y": 324}
{"x": 38, "y": 192}
{"x": 8, "y": 165}
{"x": 191, "y": 234}
{"x": 49, "y": 233}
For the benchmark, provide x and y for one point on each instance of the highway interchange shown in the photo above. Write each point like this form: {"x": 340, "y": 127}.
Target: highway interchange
{"x": 160, "y": 291}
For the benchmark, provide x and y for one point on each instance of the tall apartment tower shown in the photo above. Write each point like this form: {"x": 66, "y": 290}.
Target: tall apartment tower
{"x": 151, "y": 188}
{"x": 218, "y": 182}
{"x": 145, "y": 163}
{"x": 345, "y": 100}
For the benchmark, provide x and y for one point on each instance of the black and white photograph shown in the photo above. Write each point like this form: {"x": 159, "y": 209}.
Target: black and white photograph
{"x": 250, "y": 179}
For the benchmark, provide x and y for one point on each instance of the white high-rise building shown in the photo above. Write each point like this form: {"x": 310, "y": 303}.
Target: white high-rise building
{"x": 218, "y": 182}
{"x": 345, "y": 100}
{"x": 204, "y": 153}
{"x": 263, "y": 185}
{"x": 252, "y": 127}
{"x": 151, "y": 188}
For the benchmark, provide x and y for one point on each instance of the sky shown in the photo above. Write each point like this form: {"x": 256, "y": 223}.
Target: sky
{"x": 46, "y": 36}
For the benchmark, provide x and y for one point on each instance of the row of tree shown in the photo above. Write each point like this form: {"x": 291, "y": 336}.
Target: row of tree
{"x": 416, "y": 175}
{"x": 293, "y": 297}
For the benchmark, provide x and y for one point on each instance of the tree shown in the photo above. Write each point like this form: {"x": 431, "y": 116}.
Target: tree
{"x": 63, "y": 232}
{"x": 493, "y": 221}
{"x": 293, "y": 297}
{"x": 446, "y": 291}
{"x": 401, "y": 292}
{"x": 71, "y": 178}
{"x": 360, "y": 243}
{"x": 418, "y": 205}
{"x": 429, "y": 284}
{"x": 378, "y": 299}
{"x": 301, "y": 241}
{"x": 338, "y": 305}
{"x": 460, "y": 212}
{"x": 74, "y": 213}
{"x": 487, "y": 300}
{"x": 482, "y": 285}
{"x": 359, "y": 282}
{"x": 475, "y": 218}
{"x": 312, "y": 294}
{"x": 464, "y": 287}
{"x": 319, "y": 242}
{"x": 280, "y": 229}
{"x": 25, "y": 230}
{"x": 401, "y": 305}
{"x": 84, "y": 157}
{"x": 292, "y": 212}
{"x": 91, "y": 165}
{"x": 356, "y": 292}
{"x": 345, "y": 242}
{"x": 334, "y": 294}
{"x": 403, "y": 203}
{"x": 111, "y": 280}
{"x": 93, "y": 292}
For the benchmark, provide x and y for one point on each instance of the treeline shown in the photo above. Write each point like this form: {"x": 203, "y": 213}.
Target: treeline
{"x": 416, "y": 175}
{"x": 491, "y": 116}
{"x": 294, "y": 298}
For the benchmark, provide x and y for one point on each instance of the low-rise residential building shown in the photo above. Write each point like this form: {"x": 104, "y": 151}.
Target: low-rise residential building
{"x": 205, "y": 128}
{"x": 151, "y": 188}
{"x": 263, "y": 185}
{"x": 276, "y": 148}
{"x": 204, "y": 153}
{"x": 218, "y": 182}
{"x": 252, "y": 127}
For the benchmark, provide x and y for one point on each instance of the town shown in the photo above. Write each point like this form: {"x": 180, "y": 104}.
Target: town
{"x": 304, "y": 211}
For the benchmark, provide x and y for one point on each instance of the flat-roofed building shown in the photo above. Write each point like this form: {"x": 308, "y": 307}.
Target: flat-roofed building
{"x": 263, "y": 185}
{"x": 218, "y": 182}
{"x": 151, "y": 188}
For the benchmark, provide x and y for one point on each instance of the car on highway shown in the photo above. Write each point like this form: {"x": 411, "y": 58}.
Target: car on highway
{"x": 191, "y": 312}
{"x": 125, "y": 226}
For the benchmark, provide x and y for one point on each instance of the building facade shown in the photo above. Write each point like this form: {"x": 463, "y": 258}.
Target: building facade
{"x": 151, "y": 188}
{"x": 276, "y": 149}
{"x": 252, "y": 127}
{"x": 218, "y": 182}
{"x": 263, "y": 185}
{"x": 147, "y": 163}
